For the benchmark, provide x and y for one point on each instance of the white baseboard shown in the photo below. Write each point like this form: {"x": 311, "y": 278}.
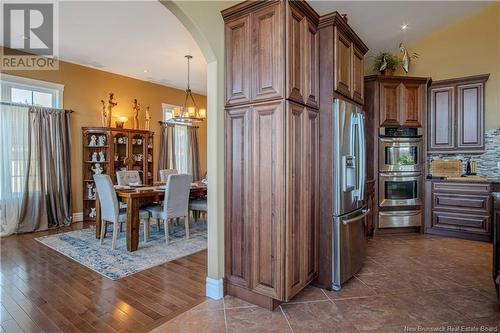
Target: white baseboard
{"x": 214, "y": 288}
{"x": 78, "y": 217}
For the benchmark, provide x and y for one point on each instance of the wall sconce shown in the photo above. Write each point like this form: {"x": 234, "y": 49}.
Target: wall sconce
{"x": 121, "y": 121}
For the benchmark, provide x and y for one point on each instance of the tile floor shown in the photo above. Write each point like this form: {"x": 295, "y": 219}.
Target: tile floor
{"x": 408, "y": 284}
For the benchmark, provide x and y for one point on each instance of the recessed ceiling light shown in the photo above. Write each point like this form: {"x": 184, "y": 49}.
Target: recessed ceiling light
{"x": 25, "y": 37}
{"x": 145, "y": 71}
{"x": 404, "y": 27}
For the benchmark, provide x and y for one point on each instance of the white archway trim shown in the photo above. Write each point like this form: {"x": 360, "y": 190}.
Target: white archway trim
{"x": 211, "y": 44}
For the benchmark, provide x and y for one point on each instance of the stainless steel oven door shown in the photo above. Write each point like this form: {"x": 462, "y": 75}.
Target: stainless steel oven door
{"x": 400, "y": 189}
{"x": 400, "y": 154}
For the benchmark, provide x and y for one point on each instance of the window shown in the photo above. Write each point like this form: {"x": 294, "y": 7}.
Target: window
{"x": 21, "y": 90}
{"x": 181, "y": 138}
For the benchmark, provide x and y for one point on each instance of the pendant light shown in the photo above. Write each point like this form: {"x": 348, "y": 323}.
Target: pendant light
{"x": 189, "y": 114}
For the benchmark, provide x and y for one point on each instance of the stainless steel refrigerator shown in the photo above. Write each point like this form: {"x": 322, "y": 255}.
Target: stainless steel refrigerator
{"x": 349, "y": 207}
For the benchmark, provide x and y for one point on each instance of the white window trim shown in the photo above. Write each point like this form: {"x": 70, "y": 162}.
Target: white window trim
{"x": 38, "y": 85}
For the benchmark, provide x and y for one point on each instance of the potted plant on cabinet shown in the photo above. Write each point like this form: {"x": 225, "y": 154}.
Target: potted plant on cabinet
{"x": 385, "y": 63}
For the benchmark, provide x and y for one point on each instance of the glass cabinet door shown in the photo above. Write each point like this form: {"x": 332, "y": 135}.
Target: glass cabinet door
{"x": 138, "y": 160}
{"x": 121, "y": 152}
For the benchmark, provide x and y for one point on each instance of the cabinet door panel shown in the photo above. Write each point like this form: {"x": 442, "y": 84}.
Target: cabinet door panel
{"x": 461, "y": 222}
{"x": 268, "y": 53}
{"x": 358, "y": 77}
{"x": 411, "y": 110}
{"x": 311, "y": 190}
{"x": 311, "y": 47}
{"x": 238, "y": 64}
{"x": 268, "y": 198}
{"x": 295, "y": 53}
{"x": 342, "y": 64}
{"x": 295, "y": 190}
{"x": 470, "y": 131}
{"x": 390, "y": 104}
{"x": 238, "y": 233}
{"x": 441, "y": 119}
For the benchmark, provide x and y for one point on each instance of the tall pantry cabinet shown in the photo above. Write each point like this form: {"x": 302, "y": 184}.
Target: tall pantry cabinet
{"x": 272, "y": 142}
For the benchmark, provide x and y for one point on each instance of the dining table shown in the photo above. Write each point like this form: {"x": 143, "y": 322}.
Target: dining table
{"x": 134, "y": 197}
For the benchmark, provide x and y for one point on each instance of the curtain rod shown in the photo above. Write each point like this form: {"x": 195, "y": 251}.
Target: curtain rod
{"x": 34, "y": 106}
{"x": 166, "y": 123}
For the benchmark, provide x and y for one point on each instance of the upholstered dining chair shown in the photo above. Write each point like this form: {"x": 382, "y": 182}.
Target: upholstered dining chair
{"x": 128, "y": 177}
{"x": 199, "y": 206}
{"x": 110, "y": 211}
{"x": 164, "y": 173}
{"x": 175, "y": 203}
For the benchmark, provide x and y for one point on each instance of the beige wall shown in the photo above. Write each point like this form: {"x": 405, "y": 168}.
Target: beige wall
{"x": 468, "y": 47}
{"x": 84, "y": 87}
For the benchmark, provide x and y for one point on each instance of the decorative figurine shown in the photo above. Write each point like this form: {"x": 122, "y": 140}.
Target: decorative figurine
{"x": 101, "y": 141}
{"x": 92, "y": 213}
{"x": 148, "y": 119}
{"x": 106, "y": 112}
{"x": 94, "y": 157}
{"x": 102, "y": 158}
{"x": 116, "y": 157}
{"x": 405, "y": 61}
{"x": 136, "y": 107}
{"x": 90, "y": 191}
{"x": 93, "y": 141}
{"x": 383, "y": 65}
{"x": 97, "y": 169}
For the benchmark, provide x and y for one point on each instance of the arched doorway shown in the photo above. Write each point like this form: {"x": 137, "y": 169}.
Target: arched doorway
{"x": 204, "y": 22}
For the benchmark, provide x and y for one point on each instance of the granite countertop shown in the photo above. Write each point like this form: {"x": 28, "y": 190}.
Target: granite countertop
{"x": 485, "y": 180}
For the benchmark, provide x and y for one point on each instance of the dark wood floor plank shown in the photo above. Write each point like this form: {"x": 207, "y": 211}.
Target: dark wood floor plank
{"x": 21, "y": 318}
{"x": 43, "y": 290}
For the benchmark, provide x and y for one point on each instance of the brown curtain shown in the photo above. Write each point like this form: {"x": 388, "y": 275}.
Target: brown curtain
{"x": 47, "y": 196}
{"x": 193, "y": 160}
{"x": 167, "y": 149}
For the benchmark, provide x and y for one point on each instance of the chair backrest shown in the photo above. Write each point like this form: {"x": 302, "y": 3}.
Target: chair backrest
{"x": 107, "y": 198}
{"x": 177, "y": 195}
{"x": 127, "y": 177}
{"x": 164, "y": 173}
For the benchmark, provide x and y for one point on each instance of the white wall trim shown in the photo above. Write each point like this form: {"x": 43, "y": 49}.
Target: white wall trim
{"x": 214, "y": 288}
{"x": 32, "y": 82}
{"x": 78, "y": 217}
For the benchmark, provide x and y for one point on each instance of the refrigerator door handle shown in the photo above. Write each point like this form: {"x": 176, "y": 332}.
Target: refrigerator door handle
{"x": 362, "y": 156}
{"x": 357, "y": 218}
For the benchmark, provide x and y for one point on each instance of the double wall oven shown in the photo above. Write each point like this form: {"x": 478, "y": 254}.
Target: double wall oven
{"x": 400, "y": 177}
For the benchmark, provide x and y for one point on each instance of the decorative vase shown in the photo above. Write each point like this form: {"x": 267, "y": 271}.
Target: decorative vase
{"x": 387, "y": 72}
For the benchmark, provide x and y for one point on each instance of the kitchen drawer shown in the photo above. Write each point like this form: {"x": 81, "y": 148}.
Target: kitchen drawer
{"x": 479, "y": 224}
{"x": 455, "y": 187}
{"x": 478, "y": 204}
{"x": 399, "y": 219}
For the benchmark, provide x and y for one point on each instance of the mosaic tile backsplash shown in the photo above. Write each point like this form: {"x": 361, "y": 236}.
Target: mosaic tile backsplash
{"x": 486, "y": 162}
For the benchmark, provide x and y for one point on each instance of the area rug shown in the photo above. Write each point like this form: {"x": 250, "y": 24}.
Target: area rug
{"x": 84, "y": 248}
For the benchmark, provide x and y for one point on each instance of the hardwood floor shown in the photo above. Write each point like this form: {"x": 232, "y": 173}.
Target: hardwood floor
{"x": 44, "y": 291}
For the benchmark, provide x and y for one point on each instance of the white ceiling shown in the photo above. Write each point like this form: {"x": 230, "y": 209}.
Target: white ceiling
{"x": 378, "y": 23}
{"x": 128, "y": 37}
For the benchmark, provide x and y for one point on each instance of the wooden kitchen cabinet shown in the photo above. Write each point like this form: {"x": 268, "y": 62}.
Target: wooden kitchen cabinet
{"x": 459, "y": 209}
{"x": 272, "y": 152}
{"x": 456, "y": 115}
{"x": 344, "y": 56}
{"x": 402, "y": 100}
{"x": 390, "y": 105}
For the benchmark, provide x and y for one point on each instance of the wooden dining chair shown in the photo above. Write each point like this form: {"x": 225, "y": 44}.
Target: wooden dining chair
{"x": 110, "y": 210}
{"x": 164, "y": 173}
{"x": 128, "y": 177}
{"x": 175, "y": 203}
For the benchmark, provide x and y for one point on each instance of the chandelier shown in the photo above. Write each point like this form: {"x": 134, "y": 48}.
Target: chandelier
{"x": 189, "y": 114}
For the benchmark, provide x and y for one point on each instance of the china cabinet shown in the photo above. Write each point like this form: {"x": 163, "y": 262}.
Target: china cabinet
{"x": 108, "y": 150}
